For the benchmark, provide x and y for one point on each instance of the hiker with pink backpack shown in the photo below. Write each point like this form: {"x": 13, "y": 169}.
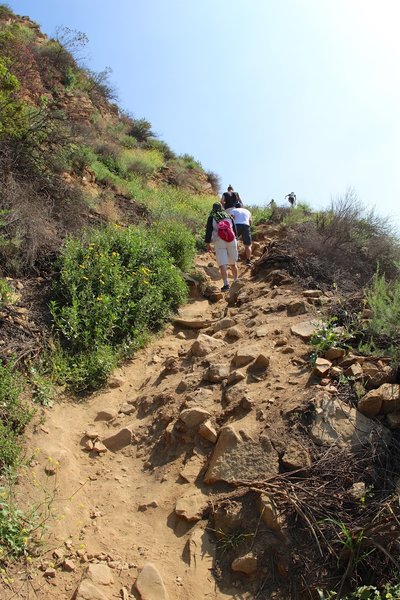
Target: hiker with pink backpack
{"x": 221, "y": 231}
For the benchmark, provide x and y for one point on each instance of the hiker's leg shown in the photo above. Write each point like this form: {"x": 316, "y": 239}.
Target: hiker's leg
{"x": 247, "y": 250}
{"x": 224, "y": 274}
{"x": 234, "y": 271}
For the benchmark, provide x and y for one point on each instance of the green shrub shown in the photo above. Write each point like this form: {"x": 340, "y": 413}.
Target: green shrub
{"x": 161, "y": 147}
{"x": 80, "y": 157}
{"x": 140, "y": 129}
{"x": 14, "y": 416}
{"x": 384, "y": 300}
{"x": 190, "y": 162}
{"x": 15, "y": 527}
{"x": 112, "y": 289}
{"x": 5, "y": 293}
{"x": 178, "y": 241}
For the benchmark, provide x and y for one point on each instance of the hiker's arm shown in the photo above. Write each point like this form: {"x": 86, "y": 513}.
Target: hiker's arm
{"x": 234, "y": 226}
{"x": 209, "y": 230}
{"x": 223, "y": 201}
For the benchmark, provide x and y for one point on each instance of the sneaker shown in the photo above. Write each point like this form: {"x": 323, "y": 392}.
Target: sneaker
{"x": 225, "y": 288}
{"x": 249, "y": 262}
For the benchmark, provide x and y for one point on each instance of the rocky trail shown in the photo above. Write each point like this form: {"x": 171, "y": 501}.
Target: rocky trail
{"x": 139, "y": 481}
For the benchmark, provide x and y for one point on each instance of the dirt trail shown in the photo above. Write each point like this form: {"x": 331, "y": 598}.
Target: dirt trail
{"x": 118, "y": 507}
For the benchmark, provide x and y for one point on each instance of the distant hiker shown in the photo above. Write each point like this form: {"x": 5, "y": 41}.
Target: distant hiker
{"x": 291, "y": 198}
{"x": 230, "y": 198}
{"x": 221, "y": 231}
{"x": 243, "y": 221}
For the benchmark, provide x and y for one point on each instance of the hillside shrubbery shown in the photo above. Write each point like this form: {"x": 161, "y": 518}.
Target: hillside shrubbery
{"x": 113, "y": 289}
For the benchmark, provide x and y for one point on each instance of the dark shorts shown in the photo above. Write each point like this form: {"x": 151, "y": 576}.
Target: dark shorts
{"x": 245, "y": 233}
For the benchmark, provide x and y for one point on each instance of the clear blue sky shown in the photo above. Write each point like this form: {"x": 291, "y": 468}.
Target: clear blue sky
{"x": 274, "y": 95}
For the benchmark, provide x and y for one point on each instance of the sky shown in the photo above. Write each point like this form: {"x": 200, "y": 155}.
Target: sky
{"x": 273, "y": 95}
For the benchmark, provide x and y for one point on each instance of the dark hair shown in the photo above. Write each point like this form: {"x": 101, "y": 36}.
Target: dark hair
{"x": 216, "y": 207}
{"x": 230, "y": 188}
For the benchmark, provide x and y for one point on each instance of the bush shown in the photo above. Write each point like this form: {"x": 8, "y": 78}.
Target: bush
{"x": 5, "y": 11}
{"x": 140, "y": 129}
{"x": 162, "y": 148}
{"x": 190, "y": 162}
{"x": 112, "y": 289}
{"x": 179, "y": 242}
{"x": 214, "y": 180}
{"x": 14, "y": 416}
{"x": 5, "y": 293}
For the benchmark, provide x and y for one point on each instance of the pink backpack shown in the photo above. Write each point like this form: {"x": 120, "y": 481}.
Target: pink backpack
{"x": 225, "y": 231}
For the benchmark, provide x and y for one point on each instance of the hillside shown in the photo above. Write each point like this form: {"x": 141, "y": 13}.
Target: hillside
{"x": 159, "y": 438}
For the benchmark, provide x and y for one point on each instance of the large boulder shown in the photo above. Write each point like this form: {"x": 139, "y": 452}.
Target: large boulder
{"x": 337, "y": 423}
{"x": 86, "y": 590}
{"x": 237, "y": 457}
{"x": 245, "y": 355}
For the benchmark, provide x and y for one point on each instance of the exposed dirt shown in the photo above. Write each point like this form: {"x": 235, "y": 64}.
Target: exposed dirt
{"x": 117, "y": 507}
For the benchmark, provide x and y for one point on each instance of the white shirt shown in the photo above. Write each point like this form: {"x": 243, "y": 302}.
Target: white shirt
{"x": 241, "y": 216}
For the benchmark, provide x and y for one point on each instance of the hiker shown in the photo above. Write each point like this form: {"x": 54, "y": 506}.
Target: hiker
{"x": 243, "y": 221}
{"x": 221, "y": 231}
{"x": 291, "y": 198}
{"x": 229, "y": 199}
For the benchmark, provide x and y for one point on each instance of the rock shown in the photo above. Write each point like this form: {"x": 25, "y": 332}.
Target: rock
{"x": 146, "y": 505}
{"x": 295, "y": 308}
{"x": 393, "y": 420}
{"x": 127, "y": 409}
{"x": 281, "y": 342}
{"x": 351, "y": 359}
{"x": 192, "y": 469}
{"x": 246, "y": 564}
{"x": 99, "y": 447}
{"x": 269, "y": 513}
{"x": 235, "y": 377}
{"x": 217, "y": 373}
{"x": 115, "y": 382}
{"x": 107, "y": 414}
{"x": 296, "y": 456}
{"x": 263, "y": 330}
{"x": 201, "y": 553}
{"x": 334, "y": 353}
{"x": 92, "y": 433}
{"x": 208, "y": 432}
{"x": 287, "y": 350}
{"x": 87, "y": 591}
{"x": 194, "y": 323}
{"x": 237, "y": 457}
{"x": 354, "y": 370}
{"x": 261, "y": 363}
{"x": 150, "y": 585}
{"x": 390, "y": 394}
{"x": 121, "y": 439}
{"x": 245, "y": 355}
{"x": 192, "y": 284}
{"x": 322, "y": 367}
{"x": 306, "y": 329}
{"x": 99, "y": 573}
{"x": 375, "y": 376}
{"x": 234, "y": 333}
{"x": 337, "y": 423}
{"x": 205, "y": 344}
{"x": 191, "y": 505}
{"x": 224, "y": 324}
{"x": 50, "y": 573}
{"x": 370, "y": 405}
{"x": 312, "y": 293}
{"x": 234, "y": 291}
{"x": 213, "y": 293}
{"x": 193, "y": 417}
{"x": 69, "y": 565}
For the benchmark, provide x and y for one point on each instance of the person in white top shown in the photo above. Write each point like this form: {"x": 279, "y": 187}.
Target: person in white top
{"x": 243, "y": 221}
